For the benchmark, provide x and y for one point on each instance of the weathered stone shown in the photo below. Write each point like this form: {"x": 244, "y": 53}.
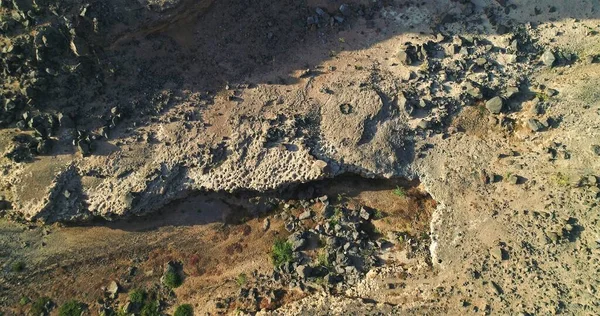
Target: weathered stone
{"x": 535, "y": 125}
{"x": 548, "y": 58}
{"x": 266, "y": 224}
{"x": 364, "y": 214}
{"x": 297, "y": 240}
{"x": 495, "y": 105}
{"x": 304, "y": 271}
{"x": 305, "y": 215}
{"x": 113, "y": 289}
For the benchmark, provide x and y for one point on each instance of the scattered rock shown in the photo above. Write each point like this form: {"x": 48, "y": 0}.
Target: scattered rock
{"x": 266, "y": 224}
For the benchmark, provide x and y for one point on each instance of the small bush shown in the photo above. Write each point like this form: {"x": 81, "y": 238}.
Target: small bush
{"x": 39, "y": 306}
{"x": 150, "y": 309}
{"x": 281, "y": 252}
{"x": 241, "y": 279}
{"x": 172, "y": 279}
{"x": 24, "y": 301}
{"x": 323, "y": 259}
{"x": 184, "y": 310}
{"x": 71, "y": 308}
{"x": 18, "y": 266}
{"x": 137, "y": 296}
{"x": 400, "y": 192}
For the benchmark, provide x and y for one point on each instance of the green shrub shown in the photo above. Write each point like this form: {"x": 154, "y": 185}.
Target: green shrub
{"x": 24, "y": 301}
{"x": 281, "y": 252}
{"x": 137, "y": 296}
{"x": 18, "y": 266}
{"x": 172, "y": 279}
{"x": 241, "y": 279}
{"x": 400, "y": 192}
{"x": 39, "y": 306}
{"x": 323, "y": 258}
{"x": 184, "y": 310}
{"x": 150, "y": 309}
{"x": 71, "y": 308}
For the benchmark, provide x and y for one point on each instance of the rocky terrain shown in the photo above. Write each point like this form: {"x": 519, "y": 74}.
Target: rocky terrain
{"x": 300, "y": 157}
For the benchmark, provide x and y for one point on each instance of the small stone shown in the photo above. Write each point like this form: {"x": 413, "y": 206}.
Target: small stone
{"x": 473, "y": 90}
{"x": 404, "y": 57}
{"x": 511, "y": 92}
{"x": 345, "y": 10}
{"x": 535, "y": 125}
{"x": 305, "y": 215}
{"x": 297, "y": 240}
{"x": 424, "y": 124}
{"x": 113, "y": 289}
{"x": 364, "y": 214}
{"x": 495, "y": 105}
{"x": 481, "y": 61}
{"x": 128, "y": 307}
{"x": 497, "y": 253}
{"x": 513, "y": 179}
{"x": 266, "y": 224}
{"x": 548, "y": 58}
{"x": 303, "y": 271}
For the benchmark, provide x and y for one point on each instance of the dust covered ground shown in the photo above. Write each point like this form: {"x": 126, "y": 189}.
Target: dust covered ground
{"x": 420, "y": 157}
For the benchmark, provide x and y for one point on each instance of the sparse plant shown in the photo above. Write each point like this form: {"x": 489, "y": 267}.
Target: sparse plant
{"x": 337, "y": 212}
{"x": 401, "y": 192}
{"x": 378, "y": 214}
{"x": 150, "y": 309}
{"x": 281, "y": 252}
{"x": 71, "y": 308}
{"x": 333, "y": 221}
{"x": 39, "y": 307}
{"x": 137, "y": 296}
{"x": 172, "y": 279}
{"x": 24, "y": 301}
{"x": 542, "y": 96}
{"x": 561, "y": 179}
{"x": 242, "y": 279}
{"x": 184, "y": 310}
{"x": 320, "y": 280}
{"x": 18, "y": 266}
{"x": 323, "y": 258}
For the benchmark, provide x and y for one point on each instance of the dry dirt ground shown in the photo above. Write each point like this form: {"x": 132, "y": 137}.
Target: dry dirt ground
{"x": 138, "y": 133}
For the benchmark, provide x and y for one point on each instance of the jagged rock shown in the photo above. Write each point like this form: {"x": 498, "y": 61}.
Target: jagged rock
{"x": 304, "y": 271}
{"x": 364, "y": 214}
{"x": 548, "y": 58}
{"x": 535, "y": 125}
{"x": 305, "y": 215}
{"x": 297, "y": 240}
